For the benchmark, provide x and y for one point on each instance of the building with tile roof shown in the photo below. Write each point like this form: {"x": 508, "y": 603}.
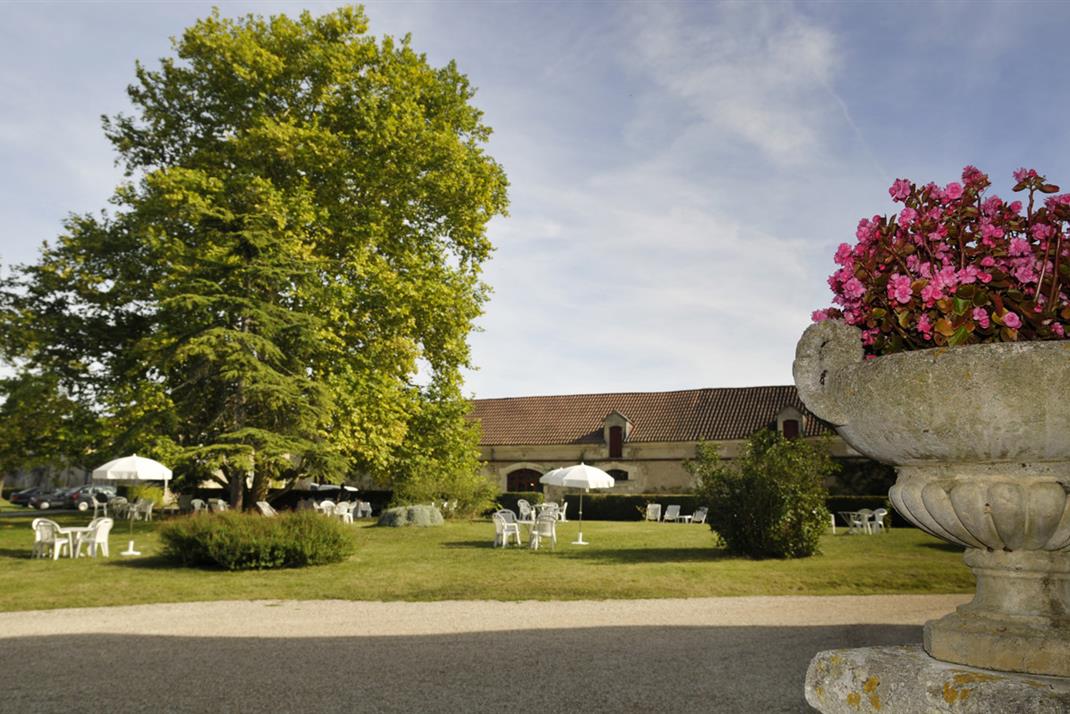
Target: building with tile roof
{"x": 641, "y": 438}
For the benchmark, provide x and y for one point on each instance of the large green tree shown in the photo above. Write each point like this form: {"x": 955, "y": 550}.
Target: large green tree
{"x": 287, "y": 280}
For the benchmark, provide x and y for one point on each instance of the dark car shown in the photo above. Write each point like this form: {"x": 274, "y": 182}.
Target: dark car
{"x": 22, "y": 498}
{"x": 51, "y": 499}
{"x": 81, "y": 498}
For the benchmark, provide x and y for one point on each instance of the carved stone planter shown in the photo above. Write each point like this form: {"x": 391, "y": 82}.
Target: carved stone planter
{"x": 980, "y": 436}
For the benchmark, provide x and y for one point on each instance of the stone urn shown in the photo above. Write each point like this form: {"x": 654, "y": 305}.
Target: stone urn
{"x": 980, "y": 437}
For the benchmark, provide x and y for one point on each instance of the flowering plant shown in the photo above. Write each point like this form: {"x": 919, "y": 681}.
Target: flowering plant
{"x": 955, "y": 267}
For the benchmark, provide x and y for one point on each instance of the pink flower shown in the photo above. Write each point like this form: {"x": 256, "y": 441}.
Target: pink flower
{"x": 1057, "y": 328}
{"x": 1019, "y": 247}
{"x": 819, "y": 315}
{"x": 844, "y": 254}
{"x": 968, "y": 275}
{"x": 854, "y": 289}
{"x": 953, "y": 191}
{"x": 931, "y": 293}
{"x": 988, "y": 261}
{"x": 924, "y": 326}
{"x": 900, "y": 190}
{"x": 899, "y": 288}
{"x": 906, "y": 217}
{"x": 981, "y": 316}
{"x": 1012, "y": 320}
{"x": 1042, "y": 231}
{"x": 1024, "y": 174}
{"x": 1015, "y": 207}
{"x": 972, "y": 176}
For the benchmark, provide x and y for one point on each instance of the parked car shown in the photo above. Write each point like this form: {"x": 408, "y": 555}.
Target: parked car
{"x": 81, "y": 498}
{"x": 22, "y": 498}
{"x": 51, "y": 499}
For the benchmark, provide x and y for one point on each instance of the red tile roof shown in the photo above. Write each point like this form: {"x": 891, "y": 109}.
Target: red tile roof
{"x": 689, "y": 415}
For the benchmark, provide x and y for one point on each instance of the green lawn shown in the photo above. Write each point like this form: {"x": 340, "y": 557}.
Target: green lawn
{"x": 624, "y": 560}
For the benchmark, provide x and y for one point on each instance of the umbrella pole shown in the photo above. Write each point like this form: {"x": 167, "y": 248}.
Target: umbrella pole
{"x": 580, "y": 540}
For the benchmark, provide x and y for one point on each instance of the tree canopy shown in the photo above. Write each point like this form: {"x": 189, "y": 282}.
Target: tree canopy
{"x": 287, "y": 279}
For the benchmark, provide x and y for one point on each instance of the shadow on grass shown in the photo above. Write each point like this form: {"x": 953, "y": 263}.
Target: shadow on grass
{"x": 484, "y": 544}
{"x": 946, "y": 547}
{"x": 651, "y": 555}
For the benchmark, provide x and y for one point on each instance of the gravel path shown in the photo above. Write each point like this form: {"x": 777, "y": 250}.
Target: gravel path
{"x": 744, "y": 654}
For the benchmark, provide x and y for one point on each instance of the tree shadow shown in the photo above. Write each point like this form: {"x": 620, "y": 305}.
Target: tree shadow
{"x": 594, "y": 669}
{"x": 653, "y": 555}
{"x": 483, "y": 544}
{"x": 946, "y": 547}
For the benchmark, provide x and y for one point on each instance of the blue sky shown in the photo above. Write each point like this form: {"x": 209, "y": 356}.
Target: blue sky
{"x": 681, "y": 172}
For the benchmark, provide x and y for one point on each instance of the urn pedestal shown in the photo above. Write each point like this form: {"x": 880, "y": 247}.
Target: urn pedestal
{"x": 980, "y": 437}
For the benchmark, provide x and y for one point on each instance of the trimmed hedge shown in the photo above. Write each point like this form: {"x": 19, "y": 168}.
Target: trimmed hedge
{"x": 244, "y": 541}
{"x": 508, "y": 499}
{"x": 631, "y": 507}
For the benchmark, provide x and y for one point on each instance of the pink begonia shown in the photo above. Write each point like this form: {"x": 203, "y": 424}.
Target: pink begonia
{"x": 1012, "y": 320}
{"x": 1024, "y": 174}
{"x": 973, "y": 176}
{"x": 991, "y": 205}
{"x": 968, "y": 275}
{"x": 906, "y": 216}
{"x": 931, "y": 293}
{"x": 899, "y": 288}
{"x": 1042, "y": 231}
{"x": 981, "y": 316}
{"x": 854, "y": 289}
{"x": 900, "y": 189}
{"x": 844, "y": 254}
{"x": 1019, "y": 247}
{"x": 953, "y": 191}
{"x": 924, "y": 326}
{"x": 1025, "y": 272}
{"x": 1057, "y": 328}
{"x": 1015, "y": 207}
{"x": 819, "y": 315}
{"x": 988, "y": 261}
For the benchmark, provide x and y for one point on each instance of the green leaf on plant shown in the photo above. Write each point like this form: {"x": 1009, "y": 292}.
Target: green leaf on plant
{"x": 1009, "y": 334}
{"x": 961, "y": 335}
{"x": 944, "y": 327}
{"x": 905, "y": 318}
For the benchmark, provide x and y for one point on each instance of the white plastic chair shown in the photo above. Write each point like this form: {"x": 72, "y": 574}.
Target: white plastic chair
{"x": 119, "y": 507}
{"x": 326, "y": 507}
{"x": 653, "y": 511}
{"x": 860, "y": 522}
{"x": 100, "y": 504}
{"x": 545, "y": 526}
{"x": 561, "y": 511}
{"x": 699, "y": 516}
{"x": 527, "y": 515}
{"x": 198, "y": 505}
{"x": 878, "y": 519}
{"x": 217, "y": 505}
{"x": 505, "y": 529}
{"x": 142, "y": 511}
{"x": 266, "y": 510}
{"x": 48, "y": 539}
{"x": 97, "y": 539}
{"x": 672, "y": 513}
{"x": 344, "y": 511}
{"x": 362, "y": 509}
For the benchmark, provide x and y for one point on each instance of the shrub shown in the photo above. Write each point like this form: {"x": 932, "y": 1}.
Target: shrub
{"x": 149, "y": 493}
{"x": 771, "y": 501}
{"x": 421, "y": 516}
{"x": 508, "y": 499}
{"x": 242, "y": 541}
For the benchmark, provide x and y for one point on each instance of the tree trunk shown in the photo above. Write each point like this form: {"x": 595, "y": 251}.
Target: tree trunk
{"x": 237, "y": 491}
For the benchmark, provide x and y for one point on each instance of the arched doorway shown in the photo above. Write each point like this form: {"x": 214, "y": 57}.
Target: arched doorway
{"x": 523, "y": 480}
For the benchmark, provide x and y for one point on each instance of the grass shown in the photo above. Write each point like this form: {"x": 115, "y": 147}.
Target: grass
{"x": 456, "y": 561}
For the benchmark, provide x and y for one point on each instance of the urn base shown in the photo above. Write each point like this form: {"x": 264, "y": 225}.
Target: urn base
{"x": 1019, "y": 620}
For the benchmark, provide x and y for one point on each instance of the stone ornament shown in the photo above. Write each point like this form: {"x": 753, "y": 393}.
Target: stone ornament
{"x": 980, "y": 436}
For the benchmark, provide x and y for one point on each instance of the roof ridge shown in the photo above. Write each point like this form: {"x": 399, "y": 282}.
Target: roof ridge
{"x": 624, "y": 394}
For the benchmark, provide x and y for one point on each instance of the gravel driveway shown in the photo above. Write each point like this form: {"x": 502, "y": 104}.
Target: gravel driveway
{"x": 745, "y": 654}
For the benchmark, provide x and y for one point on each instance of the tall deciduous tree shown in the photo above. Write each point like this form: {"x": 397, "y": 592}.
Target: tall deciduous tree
{"x": 301, "y": 234}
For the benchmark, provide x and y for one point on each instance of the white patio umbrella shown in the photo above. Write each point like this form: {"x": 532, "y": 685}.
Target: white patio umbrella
{"x": 579, "y": 476}
{"x": 131, "y": 470}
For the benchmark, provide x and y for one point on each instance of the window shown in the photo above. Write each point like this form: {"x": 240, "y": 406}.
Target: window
{"x": 523, "y": 480}
{"x": 618, "y": 474}
{"x": 791, "y": 428}
{"x": 616, "y": 442}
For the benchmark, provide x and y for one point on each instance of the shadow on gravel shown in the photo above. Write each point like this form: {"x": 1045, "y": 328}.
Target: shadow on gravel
{"x": 613, "y": 669}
